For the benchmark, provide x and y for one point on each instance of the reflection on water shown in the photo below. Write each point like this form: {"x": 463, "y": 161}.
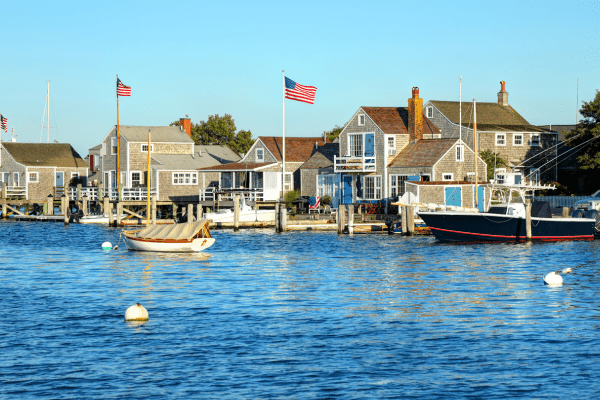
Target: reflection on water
{"x": 295, "y": 315}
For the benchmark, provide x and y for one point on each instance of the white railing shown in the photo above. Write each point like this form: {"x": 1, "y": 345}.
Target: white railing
{"x": 561, "y": 201}
{"x": 212, "y": 194}
{"x": 354, "y": 164}
{"x": 127, "y": 194}
{"x": 19, "y": 192}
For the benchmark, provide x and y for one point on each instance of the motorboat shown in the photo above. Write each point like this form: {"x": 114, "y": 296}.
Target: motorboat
{"x": 247, "y": 214}
{"x": 188, "y": 237}
{"x": 507, "y": 220}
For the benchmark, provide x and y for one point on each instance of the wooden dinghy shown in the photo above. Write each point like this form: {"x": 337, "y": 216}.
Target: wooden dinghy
{"x": 190, "y": 237}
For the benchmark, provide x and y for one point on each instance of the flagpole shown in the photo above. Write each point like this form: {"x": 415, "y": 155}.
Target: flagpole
{"x": 283, "y": 163}
{"x": 118, "y": 144}
{"x": 148, "y": 184}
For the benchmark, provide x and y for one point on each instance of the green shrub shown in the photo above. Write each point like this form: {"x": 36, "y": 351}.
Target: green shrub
{"x": 290, "y": 197}
{"x": 326, "y": 200}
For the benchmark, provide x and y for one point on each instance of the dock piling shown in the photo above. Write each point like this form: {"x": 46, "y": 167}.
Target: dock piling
{"x": 410, "y": 220}
{"x": 351, "y": 219}
{"x": 236, "y": 213}
{"x": 528, "y": 219}
{"x": 190, "y": 213}
{"x": 403, "y": 221}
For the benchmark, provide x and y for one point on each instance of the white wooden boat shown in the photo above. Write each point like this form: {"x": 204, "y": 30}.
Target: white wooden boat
{"x": 247, "y": 214}
{"x": 98, "y": 219}
{"x": 190, "y": 237}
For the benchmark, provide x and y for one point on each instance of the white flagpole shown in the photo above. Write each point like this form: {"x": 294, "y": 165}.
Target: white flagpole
{"x": 283, "y": 150}
{"x": 460, "y": 108}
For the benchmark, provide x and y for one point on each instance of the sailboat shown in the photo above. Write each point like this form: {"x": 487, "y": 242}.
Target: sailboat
{"x": 508, "y": 220}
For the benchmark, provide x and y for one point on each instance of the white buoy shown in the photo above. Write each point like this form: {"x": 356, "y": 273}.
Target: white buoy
{"x": 106, "y": 246}
{"x": 554, "y": 278}
{"x": 136, "y": 313}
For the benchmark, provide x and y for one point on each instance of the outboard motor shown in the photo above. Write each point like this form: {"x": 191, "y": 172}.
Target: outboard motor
{"x": 391, "y": 225}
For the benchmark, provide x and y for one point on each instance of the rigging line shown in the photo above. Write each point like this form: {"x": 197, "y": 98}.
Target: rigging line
{"x": 574, "y": 148}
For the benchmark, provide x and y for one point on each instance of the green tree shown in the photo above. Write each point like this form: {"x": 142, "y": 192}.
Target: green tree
{"x": 332, "y": 134}
{"x": 492, "y": 158}
{"x": 220, "y": 131}
{"x": 587, "y": 129}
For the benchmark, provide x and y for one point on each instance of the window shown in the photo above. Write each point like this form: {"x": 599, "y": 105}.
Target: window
{"x": 517, "y": 139}
{"x": 226, "y": 180}
{"x": 429, "y": 112}
{"x": 15, "y": 179}
{"x": 103, "y": 149}
{"x": 534, "y": 176}
{"x": 391, "y": 145}
{"x": 33, "y": 177}
{"x": 355, "y": 143}
{"x": 113, "y": 145}
{"x": 447, "y": 176}
{"x": 500, "y": 175}
{"x": 500, "y": 139}
{"x": 74, "y": 175}
{"x": 145, "y": 148}
{"x": 136, "y": 176}
{"x": 425, "y": 178}
{"x": 535, "y": 139}
{"x": 328, "y": 185}
{"x": 288, "y": 182}
{"x": 185, "y": 178}
{"x": 260, "y": 155}
{"x": 361, "y": 119}
{"x": 460, "y": 152}
{"x": 397, "y": 185}
{"x": 372, "y": 187}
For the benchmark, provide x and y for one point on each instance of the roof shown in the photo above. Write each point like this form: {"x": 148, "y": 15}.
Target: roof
{"x": 221, "y": 153}
{"x": 45, "y": 154}
{"x": 205, "y": 156}
{"x": 394, "y": 120}
{"x": 323, "y": 156}
{"x": 422, "y": 153}
{"x": 237, "y": 166}
{"x": 561, "y": 129}
{"x": 297, "y": 149}
{"x": 159, "y": 134}
{"x": 490, "y": 116}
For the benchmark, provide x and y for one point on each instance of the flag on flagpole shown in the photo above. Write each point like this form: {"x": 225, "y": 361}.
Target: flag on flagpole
{"x": 295, "y": 91}
{"x": 123, "y": 90}
{"x": 3, "y": 124}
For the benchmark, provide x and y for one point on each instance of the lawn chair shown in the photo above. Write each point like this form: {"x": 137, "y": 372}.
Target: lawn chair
{"x": 314, "y": 205}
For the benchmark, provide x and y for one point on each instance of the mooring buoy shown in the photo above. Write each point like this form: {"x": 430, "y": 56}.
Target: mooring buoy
{"x": 554, "y": 278}
{"x": 136, "y": 312}
{"x": 107, "y": 246}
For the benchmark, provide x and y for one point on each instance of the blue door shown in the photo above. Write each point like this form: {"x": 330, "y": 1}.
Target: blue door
{"x": 347, "y": 189}
{"x": 453, "y": 196}
{"x": 370, "y": 144}
{"x": 517, "y": 179}
{"x": 60, "y": 179}
{"x": 480, "y": 199}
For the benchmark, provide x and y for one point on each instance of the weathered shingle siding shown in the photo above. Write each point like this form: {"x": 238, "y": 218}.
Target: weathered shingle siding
{"x": 251, "y": 156}
{"x": 10, "y": 165}
{"x": 448, "y": 164}
{"x": 309, "y": 179}
{"x": 39, "y": 191}
{"x": 168, "y": 191}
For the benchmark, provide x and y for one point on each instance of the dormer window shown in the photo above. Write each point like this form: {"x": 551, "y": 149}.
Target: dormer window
{"x": 429, "y": 112}
{"x": 260, "y": 155}
{"x": 391, "y": 145}
{"x": 361, "y": 119}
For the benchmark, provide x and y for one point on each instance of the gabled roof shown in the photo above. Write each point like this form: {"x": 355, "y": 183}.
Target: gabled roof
{"x": 323, "y": 156}
{"x": 297, "y": 149}
{"x": 490, "y": 116}
{"x": 221, "y": 153}
{"x": 45, "y": 154}
{"x": 394, "y": 120}
{"x": 158, "y": 134}
{"x": 204, "y": 157}
{"x": 422, "y": 153}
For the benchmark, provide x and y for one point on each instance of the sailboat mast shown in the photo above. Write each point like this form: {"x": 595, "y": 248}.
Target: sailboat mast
{"x": 48, "y": 127}
{"x": 475, "y": 151}
{"x": 148, "y": 185}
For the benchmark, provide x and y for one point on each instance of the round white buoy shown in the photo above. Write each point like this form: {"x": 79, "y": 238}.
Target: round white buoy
{"x": 106, "y": 246}
{"x": 136, "y": 313}
{"x": 554, "y": 278}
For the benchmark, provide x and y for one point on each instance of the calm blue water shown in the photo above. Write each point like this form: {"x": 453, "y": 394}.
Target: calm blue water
{"x": 295, "y": 315}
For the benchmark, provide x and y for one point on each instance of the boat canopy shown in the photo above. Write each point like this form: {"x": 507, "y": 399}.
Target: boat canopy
{"x": 176, "y": 232}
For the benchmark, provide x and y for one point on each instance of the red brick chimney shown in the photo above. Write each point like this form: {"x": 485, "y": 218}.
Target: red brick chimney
{"x": 415, "y": 116}
{"x": 186, "y": 124}
{"x": 503, "y": 95}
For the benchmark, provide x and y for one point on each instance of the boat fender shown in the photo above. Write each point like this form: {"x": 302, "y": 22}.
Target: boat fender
{"x": 136, "y": 312}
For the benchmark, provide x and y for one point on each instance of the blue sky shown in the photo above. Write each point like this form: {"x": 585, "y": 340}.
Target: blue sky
{"x": 204, "y": 58}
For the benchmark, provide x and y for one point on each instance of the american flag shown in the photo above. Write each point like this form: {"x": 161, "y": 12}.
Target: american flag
{"x": 4, "y": 121}
{"x": 295, "y": 91}
{"x": 123, "y": 90}
{"x": 313, "y": 203}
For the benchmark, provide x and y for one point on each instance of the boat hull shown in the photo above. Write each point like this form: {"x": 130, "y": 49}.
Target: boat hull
{"x": 246, "y": 216}
{"x": 486, "y": 227}
{"x": 168, "y": 246}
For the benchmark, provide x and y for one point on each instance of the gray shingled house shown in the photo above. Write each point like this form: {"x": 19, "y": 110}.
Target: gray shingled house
{"x": 528, "y": 149}
{"x": 39, "y": 168}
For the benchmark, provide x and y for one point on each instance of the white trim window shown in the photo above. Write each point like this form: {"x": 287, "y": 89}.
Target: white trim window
{"x": 74, "y": 175}
{"x": 260, "y": 155}
{"x": 361, "y": 119}
{"x": 113, "y": 146}
{"x": 355, "y": 144}
{"x": 288, "y": 183}
{"x": 535, "y": 140}
{"x": 517, "y": 139}
{"x": 460, "y": 152}
{"x": 397, "y": 185}
{"x": 391, "y": 145}
{"x": 448, "y": 176}
{"x": 33, "y": 177}
{"x": 136, "y": 176}
{"x": 500, "y": 175}
{"x": 372, "y": 187}
{"x": 103, "y": 149}
{"x": 144, "y": 147}
{"x": 185, "y": 178}
{"x": 429, "y": 112}
{"x": 500, "y": 139}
